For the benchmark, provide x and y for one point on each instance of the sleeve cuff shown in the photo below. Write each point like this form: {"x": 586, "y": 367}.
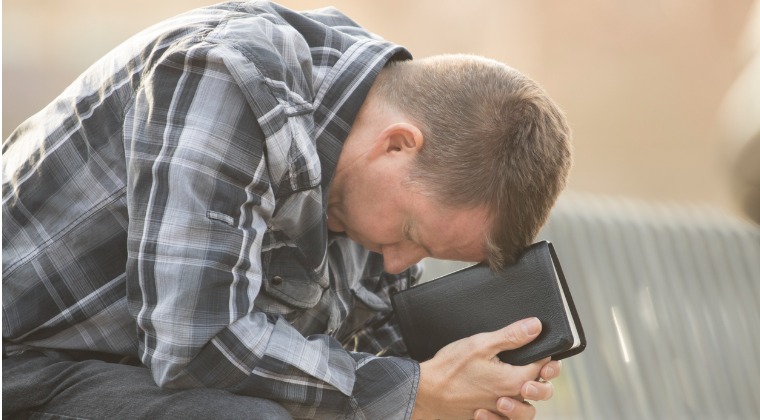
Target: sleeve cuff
{"x": 386, "y": 387}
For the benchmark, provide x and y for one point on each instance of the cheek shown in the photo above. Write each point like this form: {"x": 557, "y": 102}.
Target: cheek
{"x": 378, "y": 229}
{"x": 363, "y": 222}
{"x": 375, "y": 219}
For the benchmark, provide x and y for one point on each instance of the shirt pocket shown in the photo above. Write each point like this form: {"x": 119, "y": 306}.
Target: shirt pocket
{"x": 289, "y": 281}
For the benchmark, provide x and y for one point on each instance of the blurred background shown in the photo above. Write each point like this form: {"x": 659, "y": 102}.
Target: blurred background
{"x": 658, "y": 231}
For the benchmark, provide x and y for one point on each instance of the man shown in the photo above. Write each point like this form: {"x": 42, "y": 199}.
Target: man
{"x": 223, "y": 205}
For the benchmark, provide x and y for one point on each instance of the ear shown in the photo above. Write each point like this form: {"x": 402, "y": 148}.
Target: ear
{"x": 400, "y": 137}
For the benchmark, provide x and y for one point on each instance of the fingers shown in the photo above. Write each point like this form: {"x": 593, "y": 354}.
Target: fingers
{"x": 515, "y": 410}
{"x": 486, "y": 415}
{"x": 551, "y": 370}
{"x": 537, "y": 391}
{"x": 515, "y": 335}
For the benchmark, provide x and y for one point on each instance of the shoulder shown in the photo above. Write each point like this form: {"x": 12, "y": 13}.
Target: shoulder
{"x": 289, "y": 49}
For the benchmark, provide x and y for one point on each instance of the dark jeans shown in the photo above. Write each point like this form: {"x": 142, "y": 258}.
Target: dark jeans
{"x": 56, "y": 386}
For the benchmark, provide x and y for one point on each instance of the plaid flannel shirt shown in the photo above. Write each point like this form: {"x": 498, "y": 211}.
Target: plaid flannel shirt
{"x": 170, "y": 204}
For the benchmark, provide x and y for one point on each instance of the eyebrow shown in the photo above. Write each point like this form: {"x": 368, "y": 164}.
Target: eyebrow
{"x": 412, "y": 226}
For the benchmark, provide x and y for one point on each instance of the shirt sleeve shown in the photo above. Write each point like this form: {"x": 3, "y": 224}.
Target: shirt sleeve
{"x": 199, "y": 203}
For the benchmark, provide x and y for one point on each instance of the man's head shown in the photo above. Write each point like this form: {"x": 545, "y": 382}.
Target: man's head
{"x": 479, "y": 139}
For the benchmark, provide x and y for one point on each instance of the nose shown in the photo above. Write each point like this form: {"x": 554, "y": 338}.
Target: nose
{"x": 398, "y": 258}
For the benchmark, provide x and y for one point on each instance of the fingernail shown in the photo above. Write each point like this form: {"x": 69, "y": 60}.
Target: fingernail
{"x": 506, "y": 404}
{"x": 480, "y": 415}
{"x": 531, "y": 326}
{"x": 549, "y": 373}
{"x": 530, "y": 391}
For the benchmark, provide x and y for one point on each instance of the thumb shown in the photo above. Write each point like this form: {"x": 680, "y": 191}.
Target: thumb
{"x": 516, "y": 334}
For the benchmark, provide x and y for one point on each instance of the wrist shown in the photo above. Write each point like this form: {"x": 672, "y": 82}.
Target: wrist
{"x": 424, "y": 403}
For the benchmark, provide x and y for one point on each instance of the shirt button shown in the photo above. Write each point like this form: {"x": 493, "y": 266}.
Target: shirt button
{"x": 276, "y": 280}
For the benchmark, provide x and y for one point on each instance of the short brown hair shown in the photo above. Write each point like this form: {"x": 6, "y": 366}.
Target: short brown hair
{"x": 492, "y": 137}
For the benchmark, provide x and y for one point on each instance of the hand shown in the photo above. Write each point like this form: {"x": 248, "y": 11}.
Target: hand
{"x": 516, "y": 408}
{"x": 467, "y": 375}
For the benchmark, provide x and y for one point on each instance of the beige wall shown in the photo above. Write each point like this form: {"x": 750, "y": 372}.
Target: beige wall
{"x": 641, "y": 81}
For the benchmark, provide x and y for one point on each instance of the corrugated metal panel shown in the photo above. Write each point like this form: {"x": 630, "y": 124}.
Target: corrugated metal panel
{"x": 669, "y": 298}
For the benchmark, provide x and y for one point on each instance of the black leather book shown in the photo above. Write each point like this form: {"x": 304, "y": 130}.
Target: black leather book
{"x": 477, "y": 299}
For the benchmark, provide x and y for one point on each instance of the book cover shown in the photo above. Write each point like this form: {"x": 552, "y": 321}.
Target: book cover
{"x": 476, "y": 299}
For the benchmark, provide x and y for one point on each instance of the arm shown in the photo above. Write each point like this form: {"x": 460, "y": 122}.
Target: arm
{"x": 199, "y": 203}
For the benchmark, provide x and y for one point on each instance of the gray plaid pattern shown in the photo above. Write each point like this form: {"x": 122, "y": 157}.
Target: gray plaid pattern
{"x": 170, "y": 204}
